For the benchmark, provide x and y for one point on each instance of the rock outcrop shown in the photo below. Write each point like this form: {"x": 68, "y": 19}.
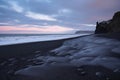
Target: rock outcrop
{"x": 110, "y": 26}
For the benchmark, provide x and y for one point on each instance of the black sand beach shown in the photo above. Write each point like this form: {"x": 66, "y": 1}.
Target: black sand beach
{"x": 20, "y": 53}
{"x": 26, "y": 49}
{"x": 26, "y": 62}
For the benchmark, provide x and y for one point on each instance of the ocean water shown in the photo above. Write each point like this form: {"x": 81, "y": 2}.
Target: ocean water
{"x": 8, "y": 39}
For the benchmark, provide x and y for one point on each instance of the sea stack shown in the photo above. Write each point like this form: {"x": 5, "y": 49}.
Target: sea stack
{"x": 110, "y": 26}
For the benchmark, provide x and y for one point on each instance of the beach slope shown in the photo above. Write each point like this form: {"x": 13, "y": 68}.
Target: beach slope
{"x": 94, "y": 57}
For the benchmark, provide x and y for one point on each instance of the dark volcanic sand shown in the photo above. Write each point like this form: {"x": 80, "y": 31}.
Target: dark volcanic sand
{"x": 19, "y": 56}
{"x": 26, "y": 49}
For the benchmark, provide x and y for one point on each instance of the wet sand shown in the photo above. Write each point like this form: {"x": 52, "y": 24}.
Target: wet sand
{"x": 26, "y": 49}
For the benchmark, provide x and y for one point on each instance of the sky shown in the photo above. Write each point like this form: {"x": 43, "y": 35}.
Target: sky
{"x": 54, "y": 16}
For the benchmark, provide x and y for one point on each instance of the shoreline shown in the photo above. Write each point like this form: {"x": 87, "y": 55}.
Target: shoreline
{"x": 45, "y": 40}
{"x": 25, "y": 49}
{"x": 22, "y": 40}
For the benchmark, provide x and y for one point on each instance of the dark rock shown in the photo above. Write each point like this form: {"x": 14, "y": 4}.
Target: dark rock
{"x": 11, "y": 59}
{"x": 116, "y": 70}
{"x": 100, "y": 75}
{"x": 110, "y": 26}
{"x": 108, "y": 78}
{"x": 10, "y": 72}
{"x": 83, "y": 73}
{"x": 80, "y": 69}
{"x": 37, "y": 51}
{"x": 3, "y": 63}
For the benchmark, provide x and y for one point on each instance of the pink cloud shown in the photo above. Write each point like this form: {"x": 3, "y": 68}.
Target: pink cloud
{"x": 104, "y": 4}
{"x": 35, "y": 29}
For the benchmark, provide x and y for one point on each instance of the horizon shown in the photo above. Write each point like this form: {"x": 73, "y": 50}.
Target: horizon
{"x": 54, "y": 16}
{"x": 74, "y": 32}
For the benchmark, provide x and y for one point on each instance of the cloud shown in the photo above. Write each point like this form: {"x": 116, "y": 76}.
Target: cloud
{"x": 16, "y": 7}
{"x": 39, "y": 16}
{"x": 64, "y": 11}
{"x": 3, "y": 6}
{"x": 4, "y": 23}
{"x": 87, "y": 27}
{"x": 16, "y": 20}
{"x": 36, "y": 29}
{"x": 91, "y": 25}
{"x": 48, "y": 1}
{"x": 105, "y": 4}
{"x": 56, "y": 12}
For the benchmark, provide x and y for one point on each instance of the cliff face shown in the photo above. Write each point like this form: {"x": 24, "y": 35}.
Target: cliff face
{"x": 110, "y": 26}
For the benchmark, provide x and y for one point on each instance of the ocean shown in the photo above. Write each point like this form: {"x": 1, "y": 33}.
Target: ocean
{"x": 9, "y": 39}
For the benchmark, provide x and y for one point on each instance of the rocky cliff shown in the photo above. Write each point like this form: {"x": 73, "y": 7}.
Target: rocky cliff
{"x": 110, "y": 26}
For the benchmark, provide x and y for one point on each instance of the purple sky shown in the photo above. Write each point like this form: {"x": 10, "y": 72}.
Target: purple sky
{"x": 54, "y": 16}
